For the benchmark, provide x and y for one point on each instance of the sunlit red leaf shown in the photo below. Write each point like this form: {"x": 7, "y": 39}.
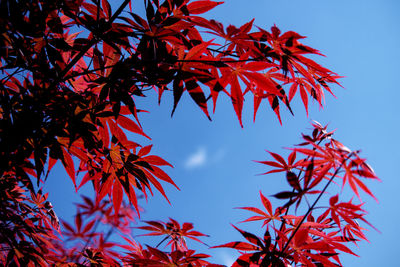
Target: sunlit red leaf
{"x": 199, "y": 7}
{"x": 69, "y": 165}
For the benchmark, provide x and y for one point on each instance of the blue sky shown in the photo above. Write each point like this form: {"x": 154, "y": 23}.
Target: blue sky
{"x": 213, "y": 160}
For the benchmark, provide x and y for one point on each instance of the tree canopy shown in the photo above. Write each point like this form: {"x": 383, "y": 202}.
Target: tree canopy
{"x": 72, "y": 72}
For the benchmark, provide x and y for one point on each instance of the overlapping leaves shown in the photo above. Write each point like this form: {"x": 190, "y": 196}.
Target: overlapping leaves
{"x": 302, "y": 239}
{"x": 72, "y": 74}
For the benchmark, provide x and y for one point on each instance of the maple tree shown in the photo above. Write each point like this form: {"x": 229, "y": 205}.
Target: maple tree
{"x": 72, "y": 71}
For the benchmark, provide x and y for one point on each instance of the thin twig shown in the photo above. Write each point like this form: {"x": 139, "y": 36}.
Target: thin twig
{"x": 165, "y": 238}
{"x": 90, "y": 44}
{"x": 316, "y": 201}
{"x": 290, "y": 200}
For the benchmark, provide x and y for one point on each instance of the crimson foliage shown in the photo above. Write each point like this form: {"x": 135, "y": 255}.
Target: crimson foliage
{"x": 71, "y": 73}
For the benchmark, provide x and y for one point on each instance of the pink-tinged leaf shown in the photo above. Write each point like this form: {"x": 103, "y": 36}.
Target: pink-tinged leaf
{"x": 86, "y": 178}
{"x": 245, "y": 28}
{"x": 78, "y": 221}
{"x": 318, "y": 258}
{"x": 30, "y": 171}
{"x": 263, "y": 82}
{"x": 336, "y": 219}
{"x": 215, "y": 89}
{"x": 313, "y": 64}
{"x": 272, "y": 171}
{"x": 243, "y": 260}
{"x": 52, "y": 162}
{"x": 321, "y": 175}
{"x": 315, "y": 225}
{"x": 271, "y": 163}
{"x": 256, "y": 210}
{"x": 304, "y": 97}
{"x": 69, "y": 165}
{"x": 333, "y": 200}
{"x": 163, "y": 176}
{"x": 301, "y": 237}
{"x": 92, "y": 9}
{"x": 305, "y": 73}
{"x": 178, "y": 91}
{"x": 88, "y": 226}
{"x": 130, "y": 125}
{"x": 238, "y": 246}
{"x": 291, "y": 35}
{"x": 257, "y": 102}
{"x": 257, "y": 218}
{"x": 156, "y": 160}
{"x": 117, "y": 132}
{"x": 105, "y": 188}
{"x": 144, "y": 150}
{"x": 15, "y": 85}
{"x": 237, "y": 98}
{"x": 309, "y": 152}
{"x": 354, "y": 187}
{"x": 258, "y": 66}
{"x": 266, "y": 203}
{"x": 132, "y": 198}
{"x": 106, "y": 8}
{"x": 366, "y": 173}
{"x": 197, "y": 94}
{"x": 117, "y": 195}
{"x": 79, "y": 153}
{"x": 292, "y": 91}
{"x": 68, "y": 226}
{"x": 199, "y": 7}
{"x": 198, "y": 50}
{"x": 365, "y": 189}
{"x": 250, "y": 237}
{"x": 278, "y": 158}
{"x": 159, "y": 254}
{"x": 140, "y": 21}
{"x": 157, "y": 185}
{"x": 343, "y": 248}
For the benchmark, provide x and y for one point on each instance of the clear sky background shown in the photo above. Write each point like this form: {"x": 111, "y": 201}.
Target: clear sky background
{"x": 213, "y": 160}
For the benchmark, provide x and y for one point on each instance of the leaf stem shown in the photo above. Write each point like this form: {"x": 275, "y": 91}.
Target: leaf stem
{"x": 165, "y": 238}
{"x": 90, "y": 44}
{"x": 315, "y": 202}
{"x": 290, "y": 200}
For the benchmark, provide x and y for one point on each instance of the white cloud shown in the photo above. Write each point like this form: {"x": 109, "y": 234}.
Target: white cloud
{"x": 197, "y": 159}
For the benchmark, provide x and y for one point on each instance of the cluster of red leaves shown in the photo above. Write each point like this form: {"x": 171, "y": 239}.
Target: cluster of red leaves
{"x": 316, "y": 237}
{"x": 173, "y": 231}
{"x": 86, "y": 241}
{"x": 90, "y": 246}
{"x": 179, "y": 254}
{"x": 78, "y": 94}
{"x": 71, "y": 96}
{"x": 25, "y": 220}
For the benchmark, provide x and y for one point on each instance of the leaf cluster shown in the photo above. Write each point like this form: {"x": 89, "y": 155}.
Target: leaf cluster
{"x": 73, "y": 77}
